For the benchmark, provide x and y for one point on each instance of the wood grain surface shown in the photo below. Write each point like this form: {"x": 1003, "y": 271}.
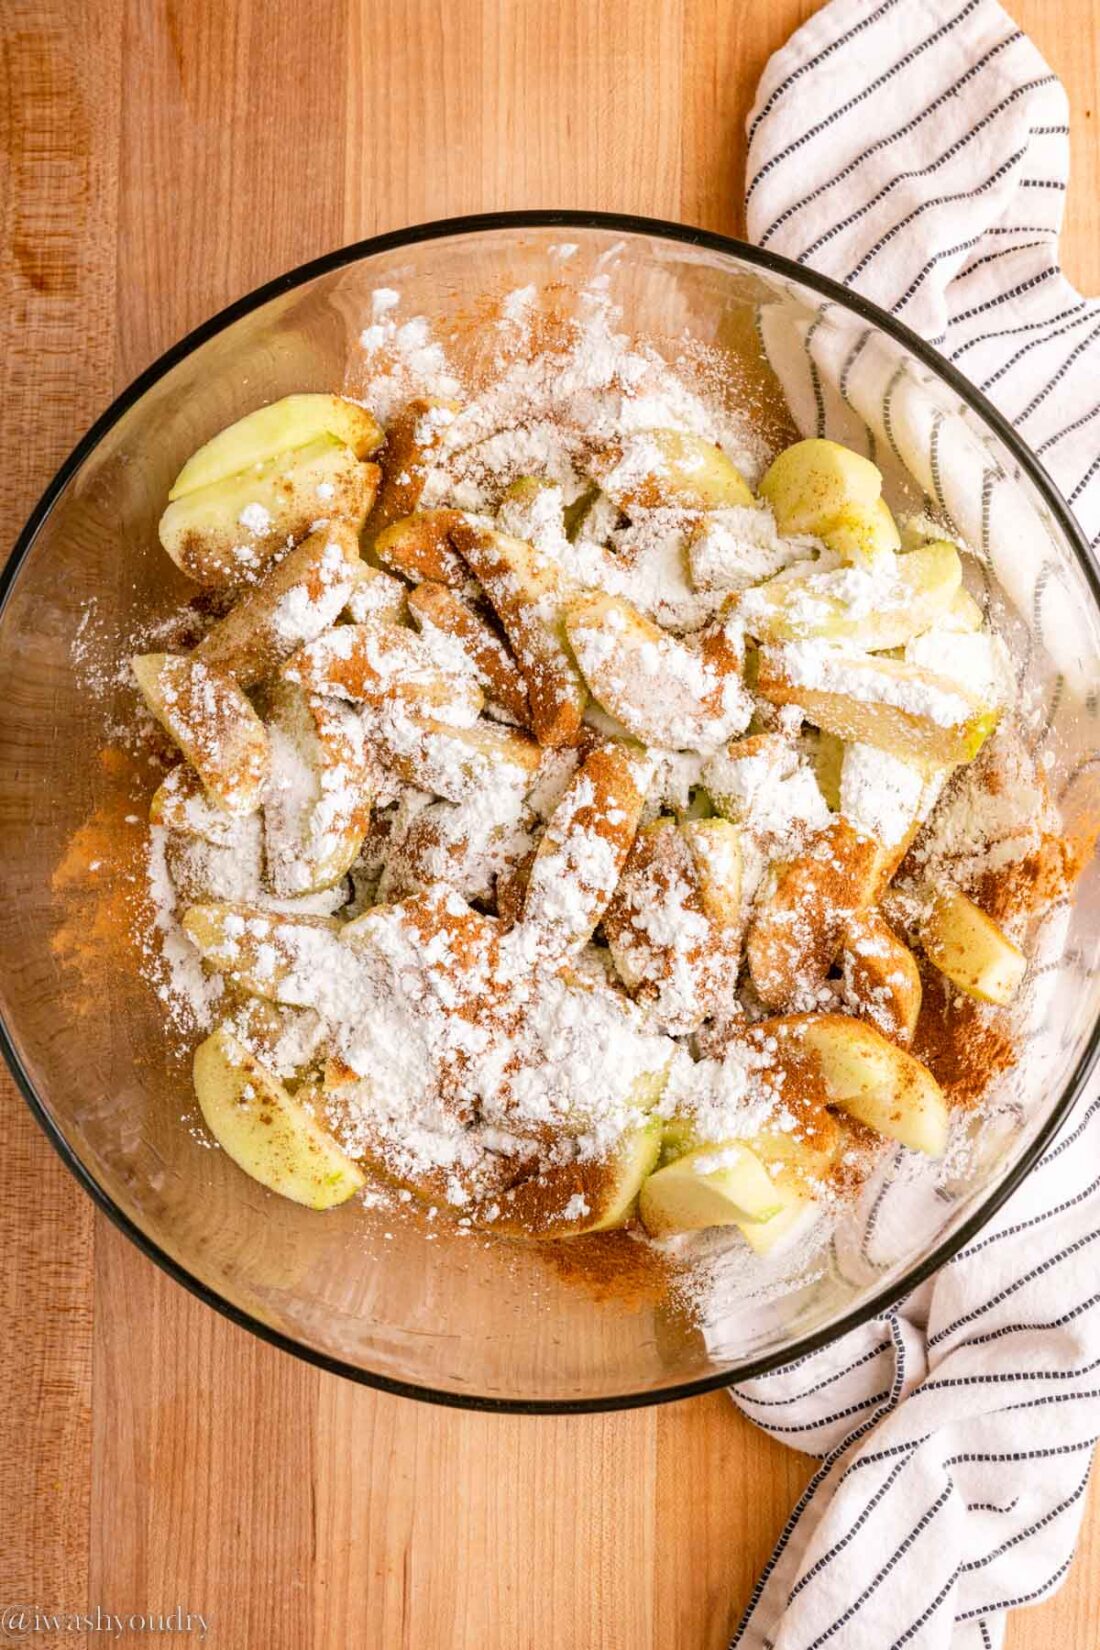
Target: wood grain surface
{"x": 160, "y": 158}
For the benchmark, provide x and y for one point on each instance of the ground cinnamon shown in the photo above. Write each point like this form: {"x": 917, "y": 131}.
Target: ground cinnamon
{"x": 964, "y": 1043}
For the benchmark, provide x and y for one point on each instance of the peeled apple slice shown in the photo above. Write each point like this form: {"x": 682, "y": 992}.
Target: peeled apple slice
{"x": 817, "y": 485}
{"x": 717, "y": 852}
{"x": 872, "y": 1079}
{"x": 294, "y": 421}
{"x": 649, "y": 468}
{"x": 720, "y": 1185}
{"x": 763, "y": 1236}
{"x": 212, "y": 722}
{"x": 525, "y": 588}
{"x": 971, "y": 949}
{"x": 865, "y": 537}
{"x": 664, "y": 692}
{"x": 963, "y": 616}
{"x": 570, "y": 1200}
{"x": 874, "y": 610}
{"x": 911, "y": 712}
{"x": 267, "y": 1131}
{"x": 229, "y": 532}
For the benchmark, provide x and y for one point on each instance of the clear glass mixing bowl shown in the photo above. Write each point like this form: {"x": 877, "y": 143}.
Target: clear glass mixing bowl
{"x": 460, "y": 1319}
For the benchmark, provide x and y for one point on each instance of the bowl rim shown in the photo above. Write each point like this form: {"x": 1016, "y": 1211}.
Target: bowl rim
{"x": 878, "y": 1303}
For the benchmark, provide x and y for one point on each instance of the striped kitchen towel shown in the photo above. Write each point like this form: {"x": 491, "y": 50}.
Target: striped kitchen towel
{"x": 918, "y": 150}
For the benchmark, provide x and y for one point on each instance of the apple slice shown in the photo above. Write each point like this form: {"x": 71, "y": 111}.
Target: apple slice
{"x": 229, "y": 532}
{"x": 669, "y": 951}
{"x": 588, "y": 1195}
{"x": 798, "y": 929}
{"x": 964, "y": 615}
{"x": 533, "y": 509}
{"x": 180, "y": 803}
{"x": 763, "y": 1236}
{"x": 286, "y": 1040}
{"x": 878, "y": 609}
{"x": 881, "y": 977}
{"x": 375, "y": 595}
{"x": 525, "y": 587}
{"x": 296, "y": 960}
{"x": 377, "y": 663}
{"x": 411, "y": 438}
{"x": 714, "y": 1185}
{"x": 457, "y": 764}
{"x": 200, "y": 869}
{"x": 716, "y": 849}
{"x": 318, "y": 801}
{"x": 865, "y": 538}
{"x": 742, "y": 776}
{"x": 650, "y": 468}
{"x": 460, "y": 844}
{"x": 293, "y": 422}
{"x": 801, "y": 1157}
{"x": 585, "y": 845}
{"x": 419, "y": 546}
{"x": 440, "y": 611}
{"x": 662, "y": 691}
{"x": 270, "y": 1134}
{"x": 871, "y": 1079}
{"x": 212, "y": 723}
{"x": 901, "y": 708}
{"x": 732, "y": 549}
{"x": 969, "y": 947}
{"x": 815, "y": 485}
{"x": 977, "y": 660}
{"x": 300, "y": 597}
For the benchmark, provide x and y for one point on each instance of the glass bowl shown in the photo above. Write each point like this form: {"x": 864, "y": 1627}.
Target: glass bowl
{"x": 463, "y": 1319}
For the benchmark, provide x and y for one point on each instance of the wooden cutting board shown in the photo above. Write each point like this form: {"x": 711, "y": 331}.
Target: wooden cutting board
{"x": 162, "y": 157}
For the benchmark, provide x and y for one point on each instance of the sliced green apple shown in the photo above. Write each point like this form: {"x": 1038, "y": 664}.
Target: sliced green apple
{"x": 649, "y": 468}
{"x": 714, "y": 1185}
{"x": 294, "y": 602}
{"x": 872, "y": 1079}
{"x": 180, "y": 803}
{"x": 526, "y": 589}
{"x": 716, "y": 849}
{"x": 902, "y": 708}
{"x": 294, "y": 421}
{"x": 865, "y": 537}
{"x": 663, "y": 691}
{"x": 816, "y": 485}
{"x": 228, "y": 532}
{"x": 970, "y": 948}
{"x": 318, "y": 802}
{"x": 763, "y": 1236}
{"x": 875, "y": 610}
{"x": 268, "y": 1132}
{"x": 213, "y": 724}
{"x": 592, "y": 1195}
{"x": 286, "y": 959}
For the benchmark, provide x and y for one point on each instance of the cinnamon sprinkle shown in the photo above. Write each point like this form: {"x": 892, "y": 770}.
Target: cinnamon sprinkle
{"x": 965, "y": 1044}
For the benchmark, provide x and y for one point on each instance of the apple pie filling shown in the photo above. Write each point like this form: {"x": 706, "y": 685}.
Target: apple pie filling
{"x": 582, "y": 819}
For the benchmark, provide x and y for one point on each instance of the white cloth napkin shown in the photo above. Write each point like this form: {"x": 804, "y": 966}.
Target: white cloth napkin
{"x": 918, "y": 150}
